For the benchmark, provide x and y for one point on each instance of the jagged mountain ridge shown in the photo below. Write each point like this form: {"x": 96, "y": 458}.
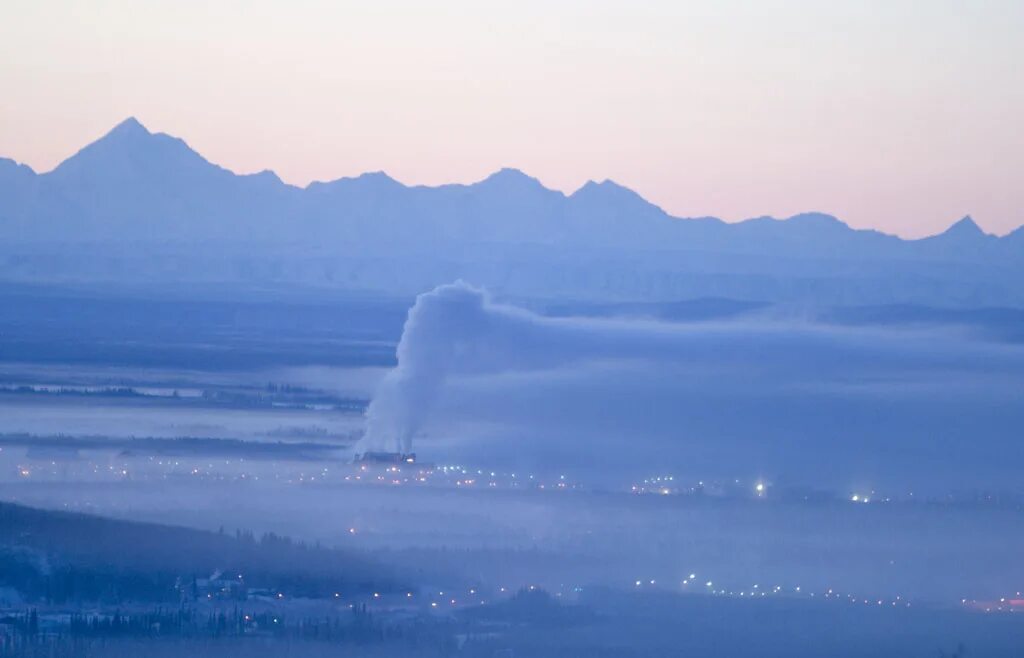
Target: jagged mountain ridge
{"x": 132, "y": 182}
{"x": 133, "y": 192}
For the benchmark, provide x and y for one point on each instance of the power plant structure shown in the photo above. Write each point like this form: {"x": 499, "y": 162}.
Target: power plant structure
{"x": 385, "y": 458}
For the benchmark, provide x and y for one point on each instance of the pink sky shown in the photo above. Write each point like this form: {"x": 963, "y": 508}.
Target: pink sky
{"x": 902, "y": 116}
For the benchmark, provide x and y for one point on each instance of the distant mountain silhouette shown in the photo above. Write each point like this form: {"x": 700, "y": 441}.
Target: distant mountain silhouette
{"x": 135, "y": 184}
{"x": 964, "y": 240}
{"x": 133, "y": 193}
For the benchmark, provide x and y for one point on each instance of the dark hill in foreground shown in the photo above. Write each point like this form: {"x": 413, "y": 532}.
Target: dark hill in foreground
{"x": 59, "y": 556}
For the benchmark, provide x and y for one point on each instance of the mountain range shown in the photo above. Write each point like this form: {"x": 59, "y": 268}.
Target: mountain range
{"x": 146, "y": 207}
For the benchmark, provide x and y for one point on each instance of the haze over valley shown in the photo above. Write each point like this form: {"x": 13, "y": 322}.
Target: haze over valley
{"x": 662, "y": 329}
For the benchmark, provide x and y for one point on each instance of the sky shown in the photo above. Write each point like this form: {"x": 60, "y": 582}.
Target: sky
{"x": 901, "y": 115}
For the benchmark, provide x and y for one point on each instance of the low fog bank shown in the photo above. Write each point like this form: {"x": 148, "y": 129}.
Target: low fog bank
{"x": 911, "y": 406}
{"x": 926, "y": 552}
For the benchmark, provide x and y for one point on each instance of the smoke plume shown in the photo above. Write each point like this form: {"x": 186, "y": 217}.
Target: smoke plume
{"x": 456, "y": 330}
{"x": 453, "y": 327}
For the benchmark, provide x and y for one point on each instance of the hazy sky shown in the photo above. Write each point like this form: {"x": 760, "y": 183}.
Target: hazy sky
{"x": 898, "y": 115}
